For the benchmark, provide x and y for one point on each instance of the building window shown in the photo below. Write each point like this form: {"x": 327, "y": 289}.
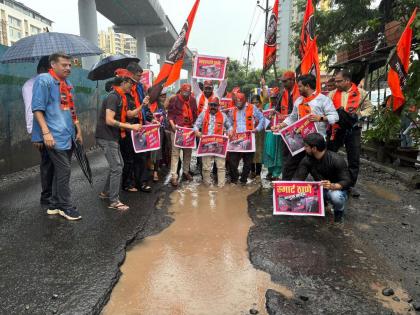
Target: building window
{"x": 15, "y": 33}
{"x": 15, "y": 22}
{"x": 35, "y": 30}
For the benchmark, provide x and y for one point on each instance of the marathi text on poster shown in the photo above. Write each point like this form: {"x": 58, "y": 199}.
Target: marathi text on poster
{"x": 146, "y": 139}
{"x": 213, "y": 145}
{"x": 242, "y": 142}
{"x": 184, "y": 138}
{"x": 209, "y": 67}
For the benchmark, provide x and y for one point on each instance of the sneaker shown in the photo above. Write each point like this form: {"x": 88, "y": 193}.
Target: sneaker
{"x": 71, "y": 214}
{"x": 53, "y": 211}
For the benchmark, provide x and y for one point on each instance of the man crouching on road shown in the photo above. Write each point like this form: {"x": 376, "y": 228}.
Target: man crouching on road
{"x": 329, "y": 168}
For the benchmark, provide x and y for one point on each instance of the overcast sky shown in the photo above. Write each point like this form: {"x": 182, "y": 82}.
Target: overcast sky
{"x": 220, "y": 26}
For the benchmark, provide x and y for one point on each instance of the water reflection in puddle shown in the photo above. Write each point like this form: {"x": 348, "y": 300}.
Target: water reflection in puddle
{"x": 199, "y": 265}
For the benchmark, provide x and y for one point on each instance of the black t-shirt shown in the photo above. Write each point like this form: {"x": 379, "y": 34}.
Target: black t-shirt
{"x": 103, "y": 131}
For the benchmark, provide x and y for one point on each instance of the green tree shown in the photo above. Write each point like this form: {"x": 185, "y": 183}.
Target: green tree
{"x": 237, "y": 77}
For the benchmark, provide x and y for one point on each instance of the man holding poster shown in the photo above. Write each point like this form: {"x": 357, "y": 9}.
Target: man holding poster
{"x": 182, "y": 112}
{"x": 320, "y": 109}
{"x": 213, "y": 122}
{"x": 244, "y": 118}
{"x": 327, "y": 167}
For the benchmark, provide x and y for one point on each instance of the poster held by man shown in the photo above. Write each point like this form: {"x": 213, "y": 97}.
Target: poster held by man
{"x": 185, "y": 138}
{"x": 146, "y": 139}
{"x": 210, "y": 67}
{"x": 213, "y": 145}
{"x": 298, "y": 198}
{"x": 294, "y": 134}
{"x": 242, "y": 142}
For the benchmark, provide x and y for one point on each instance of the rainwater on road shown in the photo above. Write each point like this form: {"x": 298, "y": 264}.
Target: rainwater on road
{"x": 199, "y": 264}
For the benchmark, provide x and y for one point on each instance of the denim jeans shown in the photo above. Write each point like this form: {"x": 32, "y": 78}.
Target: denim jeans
{"x": 47, "y": 176}
{"x": 61, "y": 195}
{"x": 337, "y": 198}
{"x": 115, "y": 161}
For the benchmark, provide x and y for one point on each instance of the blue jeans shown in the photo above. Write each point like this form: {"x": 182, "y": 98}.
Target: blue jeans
{"x": 337, "y": 198}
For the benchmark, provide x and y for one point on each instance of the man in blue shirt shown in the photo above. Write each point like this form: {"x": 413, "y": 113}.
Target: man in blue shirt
{"x": 54, "y": 112}
{"x": 245, "y": 117}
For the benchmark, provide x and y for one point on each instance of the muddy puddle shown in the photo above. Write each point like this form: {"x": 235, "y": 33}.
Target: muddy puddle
{"x": 199, "y": 264}
{"x": 382, "y": 192}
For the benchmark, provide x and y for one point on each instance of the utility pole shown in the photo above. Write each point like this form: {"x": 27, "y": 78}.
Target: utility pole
{"x": 249, "y": 44}
{"x": 266, "y": 10}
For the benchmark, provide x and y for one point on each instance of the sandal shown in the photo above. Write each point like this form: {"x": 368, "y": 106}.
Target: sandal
{"x": 146, "y": 188}
{"x": 103, "y": 195}
{"x": 118, "y": 206}
{"x": 130, "y": 189}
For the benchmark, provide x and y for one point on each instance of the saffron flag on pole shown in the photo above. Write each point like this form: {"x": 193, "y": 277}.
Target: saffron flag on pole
{"x": 270, "y": 44}
{"x": 171, "y": 69}
{"x": 399, "y": 63}
{"x": 310, "y": 64}
{"x": 307, "y": 32}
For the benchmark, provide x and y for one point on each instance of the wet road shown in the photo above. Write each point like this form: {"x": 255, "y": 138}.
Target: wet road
{"x": 343, "y": 269}
{"x": 51, "y": 266}
{"x": 205, "y": 255}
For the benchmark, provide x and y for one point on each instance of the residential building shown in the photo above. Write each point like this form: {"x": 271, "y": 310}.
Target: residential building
{"x": 18, "y": 21}
{"x": 288, "y": 15}
{"x": 117, "y": 43}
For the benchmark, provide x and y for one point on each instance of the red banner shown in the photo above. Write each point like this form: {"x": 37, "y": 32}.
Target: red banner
{"x": 307, "y": 33}
{"x": 146, "y": 139}
{"x": 294, "y": 134}
{"x": 310, "y": 64}
{"x": 209, "y": 67}
{"x": 184, "y": 138}
{"x": 270, "y": 44}
{"x": 399, "y": 63}
{"x": 242, "y": 142}
{"x": 171, "y": 70}
{"x": 298, "y": 198}
{"x": 214, "y": 145}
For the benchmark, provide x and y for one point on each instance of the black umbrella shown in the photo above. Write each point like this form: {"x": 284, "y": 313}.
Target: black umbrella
{"x": 105, "y": 68}
{"x": 81, "y": 157}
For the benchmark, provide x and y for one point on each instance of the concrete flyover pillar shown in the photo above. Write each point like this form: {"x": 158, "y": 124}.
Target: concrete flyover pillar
{"x": 140, "y": 36}
{"x": 88, "y": 28}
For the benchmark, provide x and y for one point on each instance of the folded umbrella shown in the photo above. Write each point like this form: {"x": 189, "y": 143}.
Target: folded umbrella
{"x": 105, "y": 68}
{"x": 81, "y": 157}
{"x": 32, "y": 48}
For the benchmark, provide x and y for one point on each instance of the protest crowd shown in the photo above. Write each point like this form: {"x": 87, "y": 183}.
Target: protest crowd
{"x": 293, "y": 129}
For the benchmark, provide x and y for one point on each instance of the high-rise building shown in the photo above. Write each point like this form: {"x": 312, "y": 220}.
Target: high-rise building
{"x": 18, "y": 21}
{"x": 288, "y": 14}
{"x": 116, "y": 43}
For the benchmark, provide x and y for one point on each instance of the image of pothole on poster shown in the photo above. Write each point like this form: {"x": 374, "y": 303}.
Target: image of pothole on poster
{"x": 298, "y": 198}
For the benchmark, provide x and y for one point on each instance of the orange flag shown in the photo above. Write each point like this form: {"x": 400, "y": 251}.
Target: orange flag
{"x": 307, "y": 33}
{"x": 175, "y": 58}
{"x": 310, "y": 64}
{"x": 399, "y": 63}
{"x": 270, "y": 44}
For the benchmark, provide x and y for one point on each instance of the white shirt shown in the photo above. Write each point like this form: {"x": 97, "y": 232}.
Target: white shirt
{"x": 320, "y": 105}
{"x": 27, "y": 100}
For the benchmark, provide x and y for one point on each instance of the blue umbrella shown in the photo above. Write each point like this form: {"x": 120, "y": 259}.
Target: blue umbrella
{"x": 105, "y": 68}
{"x": 32, "y": 48}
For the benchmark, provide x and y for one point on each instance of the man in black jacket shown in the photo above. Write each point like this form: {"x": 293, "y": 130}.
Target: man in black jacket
{"x": 329, "y": 168}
